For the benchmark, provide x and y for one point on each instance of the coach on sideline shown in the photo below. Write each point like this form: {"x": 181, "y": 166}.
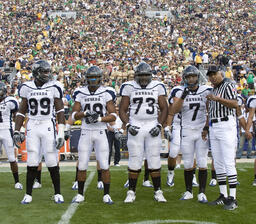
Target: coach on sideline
{"x": 223, "y": 134}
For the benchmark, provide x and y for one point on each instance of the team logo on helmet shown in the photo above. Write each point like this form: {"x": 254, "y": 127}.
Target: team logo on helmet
{"x": 3, "y": 90}
{"x": 190, "y": 71}
{"x": 143, "y": 74}
{"x": 93, "y": 76}
{"x": 41, "y": 70}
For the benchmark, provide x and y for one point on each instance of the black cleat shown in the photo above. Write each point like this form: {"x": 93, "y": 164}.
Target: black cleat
{"x": 230, "y": 204}
{"x": 219, "y": 201}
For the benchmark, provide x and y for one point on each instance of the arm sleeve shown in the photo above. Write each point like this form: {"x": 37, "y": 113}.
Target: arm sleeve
{"x": 125, "y": 90}
{"x": 58, "y": 90}
{"x": 161, "y": 90}
{"x": 23, "y": 91}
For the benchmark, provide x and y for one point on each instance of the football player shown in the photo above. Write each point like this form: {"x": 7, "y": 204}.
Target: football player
{"x": 8, "y": 109}
{"x": 39, "y": 98}
{"x": 145, "y": 100}
{"x": 95, "y": 107}
{"x": 190, "y": 101}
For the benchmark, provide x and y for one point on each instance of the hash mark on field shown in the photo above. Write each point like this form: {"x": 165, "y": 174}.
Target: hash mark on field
{"x": 65, "y": 218}
{"x": 242, "y": 169}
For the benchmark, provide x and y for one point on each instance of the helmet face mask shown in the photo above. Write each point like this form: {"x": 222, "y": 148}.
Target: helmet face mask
{"x": 143, "y": 74}
{"x": 3, "y": 91}
{"x": 41, "y": 71}
{"x": 93, "y": 77}
{"x": 190, "y": 77}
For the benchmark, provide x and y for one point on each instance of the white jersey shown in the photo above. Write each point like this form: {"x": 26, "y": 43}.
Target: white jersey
{"x": 41, "y": 99}
{"x": 251, "y": 102}
{"x": 193, "y": 112}
{"x": 7, "y": 107}
{"x": 240, "y": 100}
{"x": 96, "y": 101}
{"x": 173, "y": 93}
{"x": 144, "y": 106}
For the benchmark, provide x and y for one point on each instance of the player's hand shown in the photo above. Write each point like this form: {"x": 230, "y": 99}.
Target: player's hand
{"x": 22, "y": 136}
{"x": 118, "y": 135}
{"x": 248, "y": 135}
{"x": 167, "y": 133}
{"x": 185, "y": 93}
{"x": 205, "y": 133}
{"x": 155, "y": 131}
{"x": 59, "y": 143}
{"x": 91, "y": 117}
{"x": 133, "y": 130}
{"x": 212, "y": 97}
{"x": 17, "y": 138}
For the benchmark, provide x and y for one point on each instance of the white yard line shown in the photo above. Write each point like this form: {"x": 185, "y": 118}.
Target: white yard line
{"x": 65, "y": 218}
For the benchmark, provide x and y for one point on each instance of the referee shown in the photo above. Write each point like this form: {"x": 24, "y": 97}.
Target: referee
{"x": 223, "y": 135}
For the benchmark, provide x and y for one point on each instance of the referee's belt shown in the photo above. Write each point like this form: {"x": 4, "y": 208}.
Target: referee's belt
{"x": 216, "y": 120}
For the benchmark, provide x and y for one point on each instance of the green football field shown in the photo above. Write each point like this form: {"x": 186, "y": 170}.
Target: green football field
{"x": 143, "y": 211}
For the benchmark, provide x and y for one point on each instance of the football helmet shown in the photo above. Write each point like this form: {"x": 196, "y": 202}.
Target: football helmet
{"x": 41, "y": 71}
{"x": 3, "y": 91}
{"x": 143, "y": 74}
{"x": 188, "y": 71}
{"x": 93, "y": 76}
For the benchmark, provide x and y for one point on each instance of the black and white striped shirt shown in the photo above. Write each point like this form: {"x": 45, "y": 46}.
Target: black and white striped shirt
{"x": 227, "y": 91}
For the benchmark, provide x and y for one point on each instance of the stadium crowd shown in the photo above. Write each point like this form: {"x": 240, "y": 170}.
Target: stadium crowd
{"x": 116, "y": 35}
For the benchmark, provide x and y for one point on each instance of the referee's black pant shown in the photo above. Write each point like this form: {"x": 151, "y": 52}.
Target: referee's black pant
{"x": 111, "y": 141}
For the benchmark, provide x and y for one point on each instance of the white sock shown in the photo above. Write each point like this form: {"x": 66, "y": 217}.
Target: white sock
{"x": 171, "y": 172}
{"x": 232, "y": 192}
{"x": 223, "y": 190}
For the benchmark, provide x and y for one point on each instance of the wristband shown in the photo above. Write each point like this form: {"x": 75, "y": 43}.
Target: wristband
{"x": 20, "y": 114}
{"x": 61, "y": 128}
{"x": 99, "y": 119}
{"x": 241, "y": 116}
{"x": 73, "y": 116}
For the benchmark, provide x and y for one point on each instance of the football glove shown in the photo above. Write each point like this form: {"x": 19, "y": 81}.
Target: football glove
{"x": 17, "y": 138}
{"x": 167, "y": 133}
{"x": 22, "y": 136}
{"x": 155, "y": 131}
{"x": 60, "y": 137}
{"x": 91, "y": 117}
{"x": 133, "y": 130}
{"x": 185, "y": 93}
{"x": 67, "y": 132}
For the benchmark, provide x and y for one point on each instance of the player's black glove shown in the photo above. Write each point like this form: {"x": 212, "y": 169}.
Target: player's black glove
{"x": 185, "y": 93}
{"x": 167, "y": 133}
{"x": 22, "y": 136}
{"x": 91, "y": 117}
{"x": 17, "y": 139}
{"x": 66, "y": 135}
{"x": 133, "y": 130}
{"x": 156, "y": 130}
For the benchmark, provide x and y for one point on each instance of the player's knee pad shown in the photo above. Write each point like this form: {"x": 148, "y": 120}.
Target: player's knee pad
{"x": 154, "y": 162}
{"x": 33, "y": 158}
{"x": 188, "y": 163}
{"x": 201, "y": 162}
{"x": 134, "y": 163}
{"x": 104, "y": 164}
{"x": 50, "y": 159}
{"x": 174, "y": 150}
